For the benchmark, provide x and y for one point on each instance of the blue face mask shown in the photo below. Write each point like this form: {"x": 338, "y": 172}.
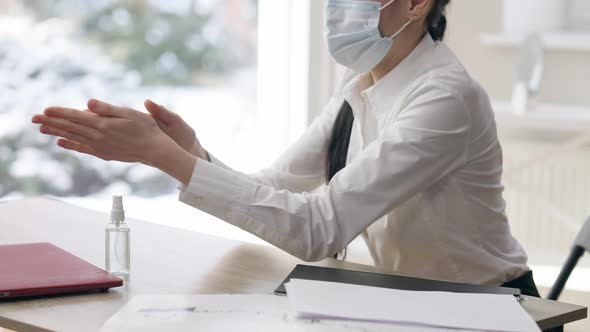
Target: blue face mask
{"x": 352, "y": 32}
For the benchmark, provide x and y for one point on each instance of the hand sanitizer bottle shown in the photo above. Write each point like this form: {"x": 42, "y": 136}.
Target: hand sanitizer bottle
{"x": 117, "y": 246}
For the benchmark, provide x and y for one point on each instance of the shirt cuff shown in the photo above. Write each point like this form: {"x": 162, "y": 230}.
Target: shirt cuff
{"x": 213, "y": 160}
{"x": 217, "y": 162}
{"x": 219, "y": 192}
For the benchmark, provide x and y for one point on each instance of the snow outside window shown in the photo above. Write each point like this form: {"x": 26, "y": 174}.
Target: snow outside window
{"x": 198, "y": 57}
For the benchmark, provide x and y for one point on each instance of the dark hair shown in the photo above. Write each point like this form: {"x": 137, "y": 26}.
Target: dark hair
{"x": 437, "y": 19}
{"x": 338, "y": 147}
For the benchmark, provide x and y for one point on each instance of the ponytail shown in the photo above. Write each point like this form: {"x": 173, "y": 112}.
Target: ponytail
{"x": 437, "y": 20}
{"x": 339, "y": 142}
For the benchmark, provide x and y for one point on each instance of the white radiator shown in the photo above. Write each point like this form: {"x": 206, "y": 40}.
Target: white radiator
{"x": 547, "y": 191}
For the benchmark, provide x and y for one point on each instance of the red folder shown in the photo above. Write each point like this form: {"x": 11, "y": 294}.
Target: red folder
{"x": 44, "y": 269}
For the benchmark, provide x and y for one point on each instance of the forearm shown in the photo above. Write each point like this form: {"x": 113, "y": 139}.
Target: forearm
{"x": 176, "y": 162}
{"x": 303, "y": 225}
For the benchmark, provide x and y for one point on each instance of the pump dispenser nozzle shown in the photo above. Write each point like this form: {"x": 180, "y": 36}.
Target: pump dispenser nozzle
{"x": 117, "y": 211}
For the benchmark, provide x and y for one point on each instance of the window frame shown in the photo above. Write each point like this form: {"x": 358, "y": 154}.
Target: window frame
{"x": 294, "y": 69}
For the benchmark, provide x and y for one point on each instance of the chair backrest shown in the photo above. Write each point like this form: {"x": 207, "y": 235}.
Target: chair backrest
{"x": 581, "y": 245}
{"x": 583, "y": 238}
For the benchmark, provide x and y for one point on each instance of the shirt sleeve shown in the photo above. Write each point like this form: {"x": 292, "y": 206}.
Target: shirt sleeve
{"x": 426, "y": 142}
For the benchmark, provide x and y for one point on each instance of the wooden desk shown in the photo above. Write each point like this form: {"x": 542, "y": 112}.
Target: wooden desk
{"x": 164, "y": 261}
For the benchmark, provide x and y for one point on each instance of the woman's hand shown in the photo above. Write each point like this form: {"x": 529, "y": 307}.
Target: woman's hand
{"x": 117, "y": 133}
{"x": 175, "y": 127}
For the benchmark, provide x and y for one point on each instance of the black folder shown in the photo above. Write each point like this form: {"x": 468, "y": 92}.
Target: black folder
{"x": 307, "y": 272}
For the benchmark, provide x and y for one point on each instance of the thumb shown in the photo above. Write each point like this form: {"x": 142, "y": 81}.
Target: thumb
{"x": 159, "y": 112}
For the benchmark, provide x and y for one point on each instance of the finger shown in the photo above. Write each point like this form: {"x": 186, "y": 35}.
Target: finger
{"x": 159, "y": 112}
{"x": 106, "y": 109}
{"x": 67, "y": 125}
{"x": 48, "y": 130}
{"x": 83, "y": 118}
{"x": 74, "y": 146}
{"x": 161, "y": 124}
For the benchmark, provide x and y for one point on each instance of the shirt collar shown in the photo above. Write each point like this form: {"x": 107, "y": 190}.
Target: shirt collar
{"x": 353, "y": 90}
{"x": 384, "y": 93}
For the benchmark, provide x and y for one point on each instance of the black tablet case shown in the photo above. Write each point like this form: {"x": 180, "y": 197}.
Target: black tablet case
{"x": 307, "y": 272}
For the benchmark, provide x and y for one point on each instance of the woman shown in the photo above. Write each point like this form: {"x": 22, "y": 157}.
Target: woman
{"x": 407, "y": 145}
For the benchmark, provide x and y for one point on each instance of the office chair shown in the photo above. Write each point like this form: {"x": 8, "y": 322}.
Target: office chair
{"x": 581, "y": 245}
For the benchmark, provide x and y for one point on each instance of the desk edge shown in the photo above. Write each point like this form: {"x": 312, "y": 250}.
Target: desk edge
{"x": 567, "y": 318}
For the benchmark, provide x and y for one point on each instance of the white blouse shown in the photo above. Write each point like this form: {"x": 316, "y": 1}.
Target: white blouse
{"x": 422, "y": 183}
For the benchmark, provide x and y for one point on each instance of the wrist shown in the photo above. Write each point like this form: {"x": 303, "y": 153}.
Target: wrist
{"x": 159, "y": 152}
{"x": 204, "y": 155}
{"x": 175, "y": 161}
{"x": 193, "y": 148}
{"x": 198, "y": 151}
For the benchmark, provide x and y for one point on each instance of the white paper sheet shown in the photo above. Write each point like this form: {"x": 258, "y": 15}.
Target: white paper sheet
{"x": 487, "y": 312}
{"x": 228, "y": 313}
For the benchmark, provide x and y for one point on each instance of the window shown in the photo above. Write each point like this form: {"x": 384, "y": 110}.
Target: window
{"x": 200, "y": 58}
{"x": 197, "y": 57}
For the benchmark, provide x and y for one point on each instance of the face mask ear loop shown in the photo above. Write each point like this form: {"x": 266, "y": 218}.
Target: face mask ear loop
{"x": 386, "y": 5}
{"x": 402, "y": 29}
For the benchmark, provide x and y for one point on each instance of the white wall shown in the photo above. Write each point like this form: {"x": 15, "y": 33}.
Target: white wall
{"x": 567, "y": 75}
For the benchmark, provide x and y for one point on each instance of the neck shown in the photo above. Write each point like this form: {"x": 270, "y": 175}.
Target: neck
{"x": 404, "y": 44}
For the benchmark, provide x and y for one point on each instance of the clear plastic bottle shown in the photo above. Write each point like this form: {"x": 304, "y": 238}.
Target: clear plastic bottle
{"x": 117, "y": 241}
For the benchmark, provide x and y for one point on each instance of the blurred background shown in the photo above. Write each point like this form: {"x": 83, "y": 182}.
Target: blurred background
{"x": 249, "y": 75}
{"x": 192, "y": 57}
{"x": 544, "y": 45}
